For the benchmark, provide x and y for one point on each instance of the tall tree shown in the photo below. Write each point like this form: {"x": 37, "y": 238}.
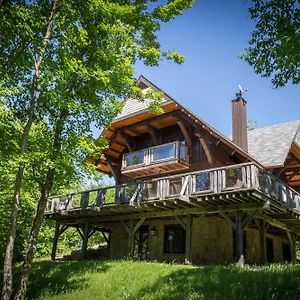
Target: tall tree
{"x": 66, "y": 63}
{"x": 17, "y": 43}
{"x": 275, "y": 44}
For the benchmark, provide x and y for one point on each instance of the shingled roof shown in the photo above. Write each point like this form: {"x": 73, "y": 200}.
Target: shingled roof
{"x": 134, "y": 106}
{"x": 270, "y": 145}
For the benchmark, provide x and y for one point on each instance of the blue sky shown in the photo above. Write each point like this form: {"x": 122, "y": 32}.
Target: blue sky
{"x": 211, "y": 36}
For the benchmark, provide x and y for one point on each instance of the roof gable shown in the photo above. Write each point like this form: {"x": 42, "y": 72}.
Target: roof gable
{"x": 271, "y": 145}
{"x": 134, "y": 106}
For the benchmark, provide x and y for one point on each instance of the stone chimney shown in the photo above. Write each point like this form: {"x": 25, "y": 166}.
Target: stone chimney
{"x": 239, "y": 122}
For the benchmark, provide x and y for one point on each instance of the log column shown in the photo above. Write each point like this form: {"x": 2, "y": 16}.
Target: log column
{"x": 85, "y": 240}
{"x": 292, "y": 240}
{"x": 188, "y": 238}
{"x": 262, "y": 228}
{"x": 131, "y": 230}
{"x": 130, "y": 239}
{"x": 55, "y": 241}
{"x": 239, "y": 239}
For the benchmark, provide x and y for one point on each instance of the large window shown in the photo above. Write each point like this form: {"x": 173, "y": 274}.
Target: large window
{"x": 134, "y": 158}
{"x": 163, "y": 152}
{"x": 174, "y": 239}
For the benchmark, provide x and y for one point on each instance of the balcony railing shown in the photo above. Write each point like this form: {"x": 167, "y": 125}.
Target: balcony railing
{"x": 151, "y": 159}
{"x": 196, "y": 184}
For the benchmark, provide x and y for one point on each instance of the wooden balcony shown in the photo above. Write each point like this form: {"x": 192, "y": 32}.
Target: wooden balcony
{"x": 244, "y": 187}
{"x": 156, "y": 160}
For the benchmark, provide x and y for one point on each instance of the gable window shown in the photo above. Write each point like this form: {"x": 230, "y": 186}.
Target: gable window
{"x": 174, "y": 239}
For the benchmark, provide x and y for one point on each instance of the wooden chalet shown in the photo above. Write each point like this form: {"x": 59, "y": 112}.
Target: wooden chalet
{"x": 185, "y": 192}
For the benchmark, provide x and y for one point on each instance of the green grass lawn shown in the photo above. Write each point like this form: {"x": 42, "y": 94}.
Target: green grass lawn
{"x": 142, "y": 280}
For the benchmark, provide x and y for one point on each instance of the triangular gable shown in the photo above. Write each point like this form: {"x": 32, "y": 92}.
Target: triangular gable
{"x": 136, "y": 113}
{"x": 134, "y": 107}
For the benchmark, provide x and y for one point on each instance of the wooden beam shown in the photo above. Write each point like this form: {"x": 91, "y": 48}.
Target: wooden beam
{"x": 153, "y": 133}
{"x": 204, "y": 133}
{"x": 113, "y": 171}
{"x": 185, "y": 133}
{"x": 188, "y": 239}
{"x": 105, "y": 237}
{"x": 228, "y": 219}
{"x": 151, "y": 120}
{"x": 207, "y": 152}
{"x": 128, "y": 138}
{"x": 209, "y": 209}
{"x": 79, "y": 232}
{"x": 180, "y": 222}
{"x": 249, "y": 218}
{"x": 138, "y": 225}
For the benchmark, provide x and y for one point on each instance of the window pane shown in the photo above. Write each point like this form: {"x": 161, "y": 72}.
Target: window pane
{"x": 182, "y": 152}
{"x": 163, "y": 152}
{"x": 234, "y": 178}
{"x": 134, "y": 158}
{"x": 202, "y": 182}
{"x": 174, "y": 239}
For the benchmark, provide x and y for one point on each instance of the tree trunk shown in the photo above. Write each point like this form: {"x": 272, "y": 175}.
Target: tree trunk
{"x": 46, "y": 188}
{"x": 7, "y": 268}
{"x": 34, "y": 235}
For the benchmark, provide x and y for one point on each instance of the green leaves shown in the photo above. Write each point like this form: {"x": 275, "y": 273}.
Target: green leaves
{"x": 169, "y": 11}
{"x": 275, "y": 45}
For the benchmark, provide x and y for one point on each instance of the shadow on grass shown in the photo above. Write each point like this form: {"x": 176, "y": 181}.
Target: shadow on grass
{"x": 56, "y": 277}
{"x": 220, "y": 282}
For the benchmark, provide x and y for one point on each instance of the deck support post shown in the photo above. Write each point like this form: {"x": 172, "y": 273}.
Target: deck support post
{"x": 55, "y": 241}
{"x": 292, "y": 240}
{"x": 130, "y": 239}
{"x": 262, "y": 228}
{"x": 239, "y": 239}
{"x": 85, "y": 240}
{"x": 188, "y": 239}
{"x": 131, "y": 230}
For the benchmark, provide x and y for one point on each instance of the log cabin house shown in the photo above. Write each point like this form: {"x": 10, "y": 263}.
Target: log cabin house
{"x": 185, "y": 192}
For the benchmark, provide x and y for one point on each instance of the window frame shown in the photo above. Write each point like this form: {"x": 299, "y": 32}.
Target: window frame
{"x": 167, "y": 247}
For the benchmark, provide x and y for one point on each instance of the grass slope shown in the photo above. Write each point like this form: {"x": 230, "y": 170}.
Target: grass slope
{"x": 141, "y": 280}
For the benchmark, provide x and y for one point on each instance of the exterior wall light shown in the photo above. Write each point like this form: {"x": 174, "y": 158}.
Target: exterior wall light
{"x": 153, "y": 231}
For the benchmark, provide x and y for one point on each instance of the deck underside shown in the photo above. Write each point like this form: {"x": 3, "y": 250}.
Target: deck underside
{"x": 253, "y": 202}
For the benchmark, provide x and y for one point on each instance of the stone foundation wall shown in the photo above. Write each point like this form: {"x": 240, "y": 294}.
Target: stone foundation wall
{"x": 211, "y": 242}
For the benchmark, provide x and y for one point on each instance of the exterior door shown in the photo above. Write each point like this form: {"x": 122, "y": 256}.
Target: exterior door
{"x": 141, "y": 239}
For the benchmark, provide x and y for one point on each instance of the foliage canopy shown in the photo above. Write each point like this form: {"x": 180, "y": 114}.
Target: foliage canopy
{"x": 275, "y": 44}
